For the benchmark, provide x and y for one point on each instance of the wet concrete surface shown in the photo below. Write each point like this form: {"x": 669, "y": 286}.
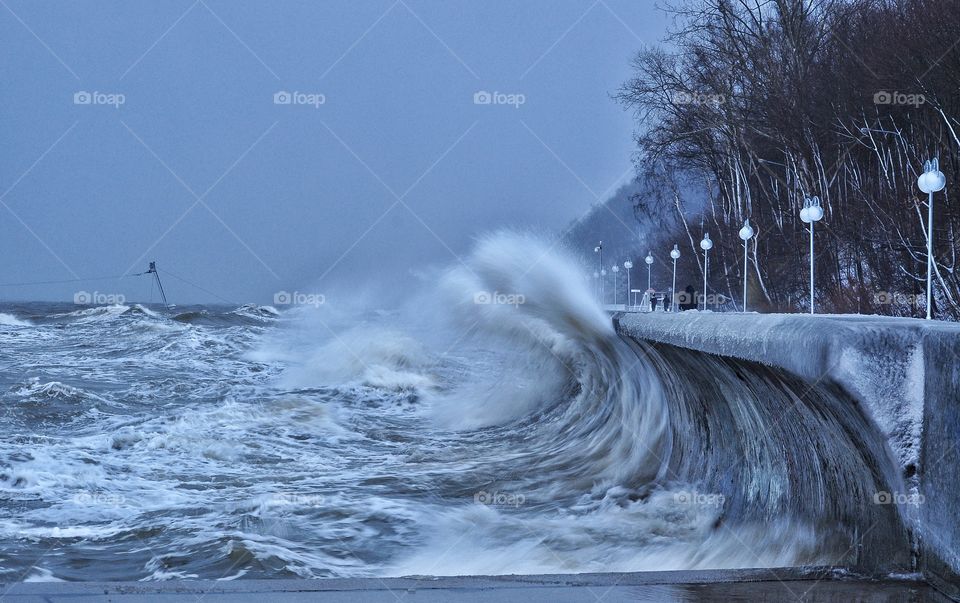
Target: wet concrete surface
{"x": 684, "y": 586}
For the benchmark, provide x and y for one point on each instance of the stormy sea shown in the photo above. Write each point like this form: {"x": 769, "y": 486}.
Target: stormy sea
{"x": 491, "y": 423}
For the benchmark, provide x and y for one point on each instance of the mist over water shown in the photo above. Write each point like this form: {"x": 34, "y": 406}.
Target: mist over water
{"x": 494, "y": 423}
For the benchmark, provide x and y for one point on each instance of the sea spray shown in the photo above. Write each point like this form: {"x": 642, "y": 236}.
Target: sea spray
{"x": 455, "y": 434}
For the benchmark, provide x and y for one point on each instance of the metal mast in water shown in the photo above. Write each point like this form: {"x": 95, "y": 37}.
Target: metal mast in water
{"x": 153, "y": 270}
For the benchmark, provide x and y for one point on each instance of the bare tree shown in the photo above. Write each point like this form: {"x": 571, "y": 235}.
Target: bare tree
{"x": 770, "y": 101}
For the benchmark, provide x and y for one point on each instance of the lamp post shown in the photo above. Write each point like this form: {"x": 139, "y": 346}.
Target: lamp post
{"x": 746, "y": 233}
{"x": 603, "y": 285}
{"x": 599, "y": 249}
{"x": 706, "y": 245}
{"x": 930, "y": 181}
{"x": 615, "y": 270}
{"x": 649, "y": 261}
{"x": 627, "y": 266}
{"x": 675, "y": 255}
{"x": 811, "y": 214}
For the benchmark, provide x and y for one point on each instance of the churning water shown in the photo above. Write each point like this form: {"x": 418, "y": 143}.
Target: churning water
{"x": 494, "y": 425}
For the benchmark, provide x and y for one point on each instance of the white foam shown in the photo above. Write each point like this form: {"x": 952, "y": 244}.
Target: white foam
{"x": 95, "y": 313}
{"x": 40, "y": 574}
{"x": 12, "y": 321}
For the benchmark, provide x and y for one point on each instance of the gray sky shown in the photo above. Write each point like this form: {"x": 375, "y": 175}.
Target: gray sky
{"x": 200, "y": 170}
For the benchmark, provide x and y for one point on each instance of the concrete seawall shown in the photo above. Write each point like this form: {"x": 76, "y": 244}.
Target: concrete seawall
{"x": 785, "y": 584}
{"x": 904, "y": 372}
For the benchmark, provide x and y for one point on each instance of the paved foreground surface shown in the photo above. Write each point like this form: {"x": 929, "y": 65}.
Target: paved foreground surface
{"x": 720, "y": 585}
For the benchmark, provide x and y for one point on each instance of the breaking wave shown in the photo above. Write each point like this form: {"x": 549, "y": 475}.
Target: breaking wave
{"x": 12, "y": 321}
{"x": 639, "y": 456}
{"x": 496, "y": 425}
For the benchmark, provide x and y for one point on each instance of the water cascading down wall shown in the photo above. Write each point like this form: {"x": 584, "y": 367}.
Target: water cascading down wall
{"x": 843, "y": 428}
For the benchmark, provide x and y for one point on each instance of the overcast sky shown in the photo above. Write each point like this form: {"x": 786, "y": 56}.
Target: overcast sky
{"x": 385, "y": 162}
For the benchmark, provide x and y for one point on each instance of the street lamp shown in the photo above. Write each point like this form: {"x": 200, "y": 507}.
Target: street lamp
{"x": 615, "y": 270}
{"x": 811, "y": 214}
{"x": 675, "y": 254}
{"x": 628, "y": 265}
{"x": 930, "y": 181}
{"x": 599, "y": 249}
{"x": 746, "y": 233}
{"x": 649, "y": 261}
{"x": 706, "y": 245}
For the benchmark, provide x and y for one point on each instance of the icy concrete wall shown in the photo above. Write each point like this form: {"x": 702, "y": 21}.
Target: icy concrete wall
{"x": 940, "y": 463}
{"x": 904, "y": 372}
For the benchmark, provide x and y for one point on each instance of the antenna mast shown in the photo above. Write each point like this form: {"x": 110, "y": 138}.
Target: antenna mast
{"x": 153, "y": 270}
